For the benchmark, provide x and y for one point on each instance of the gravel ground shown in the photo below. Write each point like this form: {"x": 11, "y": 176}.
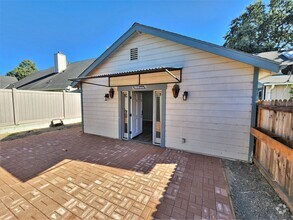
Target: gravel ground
{"x": 252, "y": 196}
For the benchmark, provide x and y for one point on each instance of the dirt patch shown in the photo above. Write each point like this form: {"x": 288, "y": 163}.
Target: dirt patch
{"x": 13, "y": 136}
{"x": 252, "y": 196}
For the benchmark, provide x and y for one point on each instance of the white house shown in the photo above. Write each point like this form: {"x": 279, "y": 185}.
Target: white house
{"x": 129, "y": 92}
{"x": 277, "y": 86}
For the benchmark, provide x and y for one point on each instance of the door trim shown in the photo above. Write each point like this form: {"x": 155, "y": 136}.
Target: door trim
{"x": 147, "y": 88}
{"x": 161, "y": 87}
{"x": 155, "y": 113}
{"x": 120, "y": 135}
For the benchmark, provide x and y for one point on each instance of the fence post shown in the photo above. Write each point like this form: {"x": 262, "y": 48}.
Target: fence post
{"x": 258, "y": 124}
{"x": 15, "y": 106}
{"x": 64, "y": 103}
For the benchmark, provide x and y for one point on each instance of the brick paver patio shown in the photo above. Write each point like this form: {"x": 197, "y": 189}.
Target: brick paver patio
{"x": 69, "y": 175}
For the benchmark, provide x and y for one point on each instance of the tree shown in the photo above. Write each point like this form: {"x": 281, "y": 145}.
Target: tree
{"x": 262, "y": 28}
{"x": 23, "y": 69}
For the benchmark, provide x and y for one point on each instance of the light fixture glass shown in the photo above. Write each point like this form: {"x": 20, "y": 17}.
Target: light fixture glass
{"x": 106, "y": 96}
{"x": 185, "y": 95}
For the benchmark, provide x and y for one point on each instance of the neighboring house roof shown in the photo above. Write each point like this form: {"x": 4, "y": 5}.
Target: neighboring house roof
{"x": 278, "y": 79}
{"x": 285, "y": 58}
{"x": 282, "y": 57}
{"x": 49, "y": 80}
{"x": 5, "y": 81}
{"x": 188, "y": 41}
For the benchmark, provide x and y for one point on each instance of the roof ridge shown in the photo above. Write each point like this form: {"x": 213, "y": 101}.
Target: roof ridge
{"x": 240, "y": 56}
{"x": 205, "y": 42}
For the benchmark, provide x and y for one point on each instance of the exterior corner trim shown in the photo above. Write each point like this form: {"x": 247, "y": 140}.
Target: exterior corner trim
{"x": 253, "y": 113}
{"x": 81, "y": 99}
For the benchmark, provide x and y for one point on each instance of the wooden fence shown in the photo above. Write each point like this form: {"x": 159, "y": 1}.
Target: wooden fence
{"x": 25, "y": 106}
{"x": 274, "y": 146}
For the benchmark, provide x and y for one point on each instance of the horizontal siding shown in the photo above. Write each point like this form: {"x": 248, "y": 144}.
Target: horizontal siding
{"x": 202, "y": 131}
{"x": 174, "y": 54}
{"x": 211, "y": 113}
{"x": 184, "y": 109}
{"x": 208, "y": 149}
{"x": 100, "y": 116}
{"x": 215, "y": 119}
{"x": 211, "y": 120}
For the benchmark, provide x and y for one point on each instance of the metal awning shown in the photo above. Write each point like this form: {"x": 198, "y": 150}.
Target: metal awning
{"x": 150, "y": 76}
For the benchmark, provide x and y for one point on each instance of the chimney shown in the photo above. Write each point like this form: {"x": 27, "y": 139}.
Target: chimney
{"x": 59, "y": 62}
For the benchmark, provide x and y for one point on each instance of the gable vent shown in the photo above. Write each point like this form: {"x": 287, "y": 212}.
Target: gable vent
{"x": 133, "y": 53}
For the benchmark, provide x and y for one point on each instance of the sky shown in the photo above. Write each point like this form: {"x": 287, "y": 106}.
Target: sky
{"x": 35, "y": 30}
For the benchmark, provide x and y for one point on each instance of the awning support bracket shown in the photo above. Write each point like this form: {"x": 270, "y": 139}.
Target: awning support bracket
{"x": 171, "y": 74}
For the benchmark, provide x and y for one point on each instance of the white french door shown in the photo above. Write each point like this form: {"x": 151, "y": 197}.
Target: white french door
{"x": 131, "y": 111}
{"x": 136, "y": 114}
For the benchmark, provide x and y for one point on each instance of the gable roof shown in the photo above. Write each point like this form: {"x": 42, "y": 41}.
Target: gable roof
{"x": 278, "y": 56}
{"x": 49, "y": 80}
{"x": 5, "y": 81}
{"x": 285, "y": 58}
{"x": 188, "y": 41}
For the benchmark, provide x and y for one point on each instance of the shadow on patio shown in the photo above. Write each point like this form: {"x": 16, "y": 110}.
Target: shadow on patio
{"x": 91, "y": 175}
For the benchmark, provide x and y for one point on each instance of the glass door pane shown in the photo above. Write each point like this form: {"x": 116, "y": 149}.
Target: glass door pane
{"x": 157, "y": 123}
{"x": 125, "y": 113}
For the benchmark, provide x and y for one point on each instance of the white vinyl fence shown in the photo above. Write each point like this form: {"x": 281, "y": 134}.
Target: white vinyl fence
{"x": 25, "y": 106}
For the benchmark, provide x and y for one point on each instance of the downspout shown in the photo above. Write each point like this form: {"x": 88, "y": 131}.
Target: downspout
{"x": 264, "y": 90}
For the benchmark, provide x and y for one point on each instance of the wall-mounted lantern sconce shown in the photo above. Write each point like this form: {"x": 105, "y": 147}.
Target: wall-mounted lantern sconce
{"x": 106, "y": 97}
{"x": 111, "y": 93}
{"x": 175, "y": 91}
{"x": 185, "y": 95}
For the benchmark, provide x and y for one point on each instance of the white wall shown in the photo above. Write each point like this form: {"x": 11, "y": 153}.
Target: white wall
{"x": 100, "y": 116}
{"x": 215, "y": 120}
{"x": 278, "y": 92}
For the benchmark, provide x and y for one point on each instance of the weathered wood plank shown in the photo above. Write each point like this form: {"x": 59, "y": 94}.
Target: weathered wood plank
{"x": 277, "y": 108}
{"x": 274, "y": 146}
{"x": 272, "y": 143}
{"x": 275, "y": 186}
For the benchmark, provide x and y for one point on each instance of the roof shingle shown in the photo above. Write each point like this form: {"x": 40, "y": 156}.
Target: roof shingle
{"x": 5, "y": 81}
{"x": 49, "y": 80}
